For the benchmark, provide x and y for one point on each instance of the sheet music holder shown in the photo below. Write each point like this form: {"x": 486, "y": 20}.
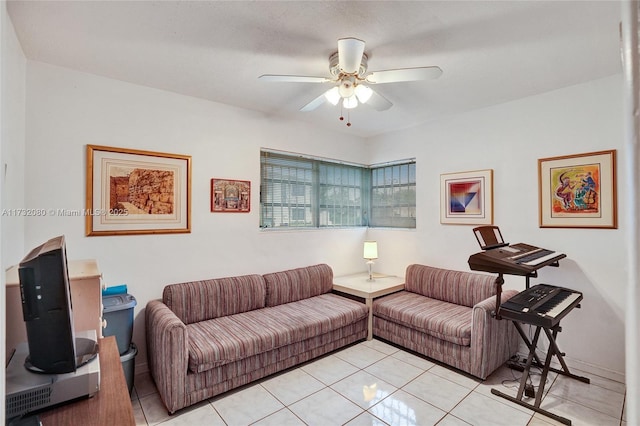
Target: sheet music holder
{"x": 489, "y": 237}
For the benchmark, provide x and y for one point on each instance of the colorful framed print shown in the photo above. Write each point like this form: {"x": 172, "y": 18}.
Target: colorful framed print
{"x": 466, "y": 198}
{"x": 230, "y": 196}
{"x": 578, "y": 191}
{"x": 137, "y": 192}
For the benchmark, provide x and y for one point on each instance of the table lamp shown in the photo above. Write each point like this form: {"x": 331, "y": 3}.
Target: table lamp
{"x": 370, "y": 253}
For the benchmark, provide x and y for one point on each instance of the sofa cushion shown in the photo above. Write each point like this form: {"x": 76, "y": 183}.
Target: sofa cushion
{"x": 202, "y": 300}
{"x": 226, "y": 339}
{"x": 444, "y": 320}
{"x": 460, "y": 288}
{"x": 296, "y": 284}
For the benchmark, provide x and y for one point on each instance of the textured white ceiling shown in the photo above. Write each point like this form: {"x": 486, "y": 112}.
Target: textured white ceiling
{"x": 490, "y": 51}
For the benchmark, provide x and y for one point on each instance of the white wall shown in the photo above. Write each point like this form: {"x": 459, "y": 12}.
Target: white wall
{"x": 13, "y": 142}
{"x": 509, "y": 138}
{"x": 12, "y": 121}
{"x": 66, "y": 110}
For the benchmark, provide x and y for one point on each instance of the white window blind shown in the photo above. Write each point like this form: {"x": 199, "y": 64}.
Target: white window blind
{"x": 393, "y": 195}
{"x": 298, "y": 191}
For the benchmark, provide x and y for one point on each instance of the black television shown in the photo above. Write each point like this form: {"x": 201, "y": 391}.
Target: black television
{"x": 47, "y": 311}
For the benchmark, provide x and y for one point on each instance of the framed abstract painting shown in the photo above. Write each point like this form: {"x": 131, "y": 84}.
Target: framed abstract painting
{"x": 466, "y": 198}
{"x": 578, "y": 191}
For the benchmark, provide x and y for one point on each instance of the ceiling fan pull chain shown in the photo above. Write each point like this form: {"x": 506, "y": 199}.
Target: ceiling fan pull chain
{"x": 348, "y": 118}
{"x": 341, "y": 113}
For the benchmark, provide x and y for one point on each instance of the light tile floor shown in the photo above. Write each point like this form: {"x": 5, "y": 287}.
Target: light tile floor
{"x": 374, "y": 383}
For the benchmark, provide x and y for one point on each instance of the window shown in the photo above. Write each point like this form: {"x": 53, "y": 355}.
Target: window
{"x": 393, "y": 195}
{"x": 298, "y": 191}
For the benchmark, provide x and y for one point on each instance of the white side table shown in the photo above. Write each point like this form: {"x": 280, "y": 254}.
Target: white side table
{"x": 360, "y": 286}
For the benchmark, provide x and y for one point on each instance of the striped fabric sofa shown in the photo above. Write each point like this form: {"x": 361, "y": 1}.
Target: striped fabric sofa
{"x": 446, "y": 315}
{"x": 207, "y": 337}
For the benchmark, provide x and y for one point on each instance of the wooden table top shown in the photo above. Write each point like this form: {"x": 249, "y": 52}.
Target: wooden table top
{"x": 110, "y": 406}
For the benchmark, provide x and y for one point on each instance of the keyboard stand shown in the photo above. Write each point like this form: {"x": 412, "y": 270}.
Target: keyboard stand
{"x": 533, "y": 360}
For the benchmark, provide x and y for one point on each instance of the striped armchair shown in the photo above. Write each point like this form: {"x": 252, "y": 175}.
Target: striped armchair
{"x": 446, "y": 315}
{"x": 207, "y": 337}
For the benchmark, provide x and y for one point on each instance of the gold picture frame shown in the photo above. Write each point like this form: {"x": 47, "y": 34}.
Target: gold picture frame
{"x": 130, "y": 192}
{"x": 466, "y": 198}
{"x": 578, "y": 191}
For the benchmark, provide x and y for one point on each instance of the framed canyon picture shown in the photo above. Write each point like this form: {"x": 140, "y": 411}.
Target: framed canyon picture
{"x": 132, "y": 191}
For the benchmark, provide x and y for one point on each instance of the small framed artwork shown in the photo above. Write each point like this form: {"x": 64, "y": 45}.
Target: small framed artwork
{"x": 131, "y": 192}
{"x": 578, "y": 191}
{"x": 466, "y": 198}
{"x": 230, "y": 196}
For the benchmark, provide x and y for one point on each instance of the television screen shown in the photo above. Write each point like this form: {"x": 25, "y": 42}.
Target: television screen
{"x": 47, "y": 309}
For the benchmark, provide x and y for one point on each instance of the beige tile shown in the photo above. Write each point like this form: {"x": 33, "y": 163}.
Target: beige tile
{"x": 394, "y": 371}
{"x": 381, "y": 346}
{"x": 203, "y": 414}
{"x": 292, "y": 386}
{"x": 144, "y": 385}
{"x": 604, "y": 400}
{"x": 414, "y": 360}
{"x": 437, "y": 391}
{"x": 402, "y": 408}
{"x": 366, "y": 419}
{"x": 330, "y": 369}
{"x": 360, "y": 355}
{"x": 482, "y": 410}
{"x": 455, "y": 377}
{"x": 326, "y": 407}
{"x": 579, "y": 415}
{"x": 363, "y": 389}
{"x": 247, "y": 405}
{"x": 138, "y": 414}
{"x": 450, "y": 420}
{"x": 283, "y": 417}
{"x": 154, "y": 410}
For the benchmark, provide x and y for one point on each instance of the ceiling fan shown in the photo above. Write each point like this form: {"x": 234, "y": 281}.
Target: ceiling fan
{"x": 350, "y": 79}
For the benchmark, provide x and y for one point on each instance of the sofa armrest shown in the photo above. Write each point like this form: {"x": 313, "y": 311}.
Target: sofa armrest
{"x": 492, "y": 341}
{"x": 167, "y": 353}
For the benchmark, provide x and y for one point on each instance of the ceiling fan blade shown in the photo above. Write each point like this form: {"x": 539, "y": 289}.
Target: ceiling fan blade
{"x": 350, "y": 51}
{"x": 314, "y": 103}
{"x": 404, "y": 74}
{"x": 378, "y": 102}
{"x": 293, "y": 78}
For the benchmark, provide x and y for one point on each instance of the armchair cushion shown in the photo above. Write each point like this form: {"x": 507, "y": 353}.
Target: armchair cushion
{"x": 443, "y": 320}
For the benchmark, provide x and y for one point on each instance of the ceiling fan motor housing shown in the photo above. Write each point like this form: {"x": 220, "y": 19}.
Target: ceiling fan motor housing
{"x": 334, "y": 66}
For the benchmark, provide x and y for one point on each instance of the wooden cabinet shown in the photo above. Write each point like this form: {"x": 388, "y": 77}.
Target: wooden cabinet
{"x": 86, "y": 298}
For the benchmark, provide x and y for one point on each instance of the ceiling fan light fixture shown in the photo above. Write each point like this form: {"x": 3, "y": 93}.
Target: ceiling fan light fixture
{"x": 346, "y": 88}
{"x": 350, "y": 102}
{"x": 363, "y": 93}
{"x": 333, "y": 95}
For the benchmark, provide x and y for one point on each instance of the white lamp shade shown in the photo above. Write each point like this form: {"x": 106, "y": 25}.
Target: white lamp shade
{"x": 363, "y": 93}
{"x": 333, "y": 95}
{"x": 370, "y": 250}
{"x": 350, "y": 102}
